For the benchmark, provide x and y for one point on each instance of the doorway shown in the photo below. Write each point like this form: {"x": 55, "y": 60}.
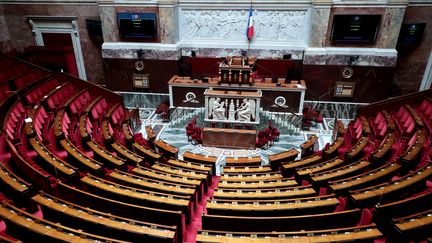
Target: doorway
{"x": 58, "y": 44}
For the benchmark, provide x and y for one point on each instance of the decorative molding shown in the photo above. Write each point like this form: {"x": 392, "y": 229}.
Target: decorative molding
{"x": 351, "y": 51}
{"x": 341, "y": 56}
{"x": 128, "y": 50}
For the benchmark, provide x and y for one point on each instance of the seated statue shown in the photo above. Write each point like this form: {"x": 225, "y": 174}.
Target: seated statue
{"x": 217, "y": 109}
{"x": 246, "y": 111}
{"x": 237, "y": 61}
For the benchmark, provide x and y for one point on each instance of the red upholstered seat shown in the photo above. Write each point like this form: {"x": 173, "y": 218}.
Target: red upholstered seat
{"x": 366, "y": 217}
{"x": 342, "y": 204}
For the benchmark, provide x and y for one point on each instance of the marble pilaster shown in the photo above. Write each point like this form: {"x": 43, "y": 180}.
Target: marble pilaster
{"x": 319, "y": 24}
{"x": 392, "y": 21}
{"x": 4, "y": 37}
{"x": 109, "y": 23}
{"x": 167, "y": 23}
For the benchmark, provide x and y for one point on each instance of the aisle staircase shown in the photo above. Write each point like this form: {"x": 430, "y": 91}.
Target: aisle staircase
{"x": 196, "y": 223}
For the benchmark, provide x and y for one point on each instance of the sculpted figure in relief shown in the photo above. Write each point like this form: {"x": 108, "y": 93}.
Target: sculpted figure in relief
{"x": 246, "y": 111}
{"x": 217, "y": 109}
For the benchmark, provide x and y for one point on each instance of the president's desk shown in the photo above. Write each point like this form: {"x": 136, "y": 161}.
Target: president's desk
{"x": 185, "y": 92}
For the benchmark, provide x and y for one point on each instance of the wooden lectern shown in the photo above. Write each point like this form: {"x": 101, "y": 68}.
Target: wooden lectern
{"x": 235, "y": 72}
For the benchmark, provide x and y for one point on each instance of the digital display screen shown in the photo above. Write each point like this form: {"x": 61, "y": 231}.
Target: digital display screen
{"x": 355, "y": 28}
{"x": 137, "y": 25}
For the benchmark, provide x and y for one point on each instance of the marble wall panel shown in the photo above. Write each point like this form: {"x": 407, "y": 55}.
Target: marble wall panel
{"x": 108, "y": 18}
{"x": 371, "y": 83}
{"x": 4, "y": 37}
{"x": 413, "y": 57}
{"x": 168, "y": 25}
{"x": 319, "y": 25}
{"x": 131, "y": 53}
{"x": 363, "y": 60}
{"x": 392, "y": 21}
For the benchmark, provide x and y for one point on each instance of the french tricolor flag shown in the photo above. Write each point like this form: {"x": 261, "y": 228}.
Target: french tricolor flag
{"x": 250, "y": 28}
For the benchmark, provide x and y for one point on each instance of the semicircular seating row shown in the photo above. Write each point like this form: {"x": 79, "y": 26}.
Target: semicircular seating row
{"x": 72, "y": 170}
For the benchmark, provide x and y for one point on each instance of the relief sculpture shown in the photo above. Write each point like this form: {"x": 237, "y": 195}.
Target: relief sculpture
{"x": 290, "y": 25}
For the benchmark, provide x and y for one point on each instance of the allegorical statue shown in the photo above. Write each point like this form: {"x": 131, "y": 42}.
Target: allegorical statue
{"x": 246, "y": 111}
{"x": 217, "y": 109}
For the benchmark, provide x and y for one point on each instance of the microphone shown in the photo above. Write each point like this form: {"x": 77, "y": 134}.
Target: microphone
{"x": 382, "y": 194}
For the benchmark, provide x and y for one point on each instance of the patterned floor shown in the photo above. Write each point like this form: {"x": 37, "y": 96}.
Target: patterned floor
{"x": 174, "y": 133}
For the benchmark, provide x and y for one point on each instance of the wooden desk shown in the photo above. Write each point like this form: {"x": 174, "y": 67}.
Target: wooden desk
{"x": 361, "y": 233}
{"x": 385, "y": 147}
{"x": 339, "y": 172}
{"x": 190, "y": 165}
{"x": 85, "y": 161}
{"x": 243, "y": 161}
{"x": 416, "y": 226}
{"x": 357, "y": 149}
{"x": 300, "y": 163}
{"x": 52, "y": 160}
{"x": 165, "y": 148}
{"x": 308, "y": 146}
{"x": 369, "y": 177}
{"x": 251, "y": 177}
{"x": 339, "y": 129}
{"x": 126, "y": 132}
{"x": 44, "y": 230}
{"x": 258, "y": 184}
{"x": 334, "y": 147}
{"x": 202, "y": 159}
{"x": 293, "y": 93}
{"x": 147, "y": 153}
{"x": 414, "y": 150}
{"x": 308, "y": 222}
{"x": 139, "y": 170}
{"x": 119, "y": 208}
{"x": 82, "y": 128}
{"x": 246, "y": 169}
{"x": 281, "y": 207}
{"x": 57, "y": 125}
{"x": 229, "y": 138}
{"x": 417, "y": 119}
{"x": 286, "y": 156}
{"x": 264, "y": 193}
{"x": 379, "y": 191}
{"x": 180, "y": 171}
{"x": 391, "y": 125}
{"x": 106, "y": 133}
{"x": 13, "y": 181}
{"x": 365, "y": 126}
{"x": 128, "y": 228}
{"x": 150, "y": 184}
{"x": 403, "y": 207}
{"x": 105, "y": 154}
{"x": 326, "y": 165}
{"x": 126, "y": 153}
{"x": 134, "y": 195}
